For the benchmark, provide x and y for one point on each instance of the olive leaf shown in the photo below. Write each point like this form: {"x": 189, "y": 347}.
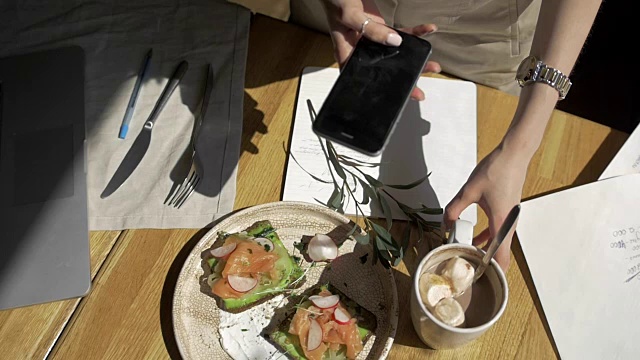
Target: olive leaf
{"x": 334, "y": 161}
{"x": 410, "y": 185}
{"x": 367, "y": 193}
{"x": 374, "y": 182}
{"x": 386, "y": 210}
{"x": 357, "y": 162}
{"x": 362, "y": 239}
{"x": 406, "y": 236}
{"x": 388, "y": 251}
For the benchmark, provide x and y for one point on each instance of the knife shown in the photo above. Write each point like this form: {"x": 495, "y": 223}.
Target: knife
{"x": 141, "y": 144}
{"x": 506, "y": 227}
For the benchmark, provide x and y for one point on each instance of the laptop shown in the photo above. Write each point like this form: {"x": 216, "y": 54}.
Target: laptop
{"x": 44, "y": 231}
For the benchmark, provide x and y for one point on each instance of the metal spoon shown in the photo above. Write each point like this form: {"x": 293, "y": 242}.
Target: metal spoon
{"x": 506, "y": 227}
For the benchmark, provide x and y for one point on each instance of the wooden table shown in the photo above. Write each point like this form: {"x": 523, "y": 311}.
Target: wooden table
{"x": 127, "y": 314}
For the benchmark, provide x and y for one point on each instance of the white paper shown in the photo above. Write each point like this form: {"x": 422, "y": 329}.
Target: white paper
{"x": 627, "y": 160}
{"x": 437, "y": 135}
{"x": 582, "y": 246}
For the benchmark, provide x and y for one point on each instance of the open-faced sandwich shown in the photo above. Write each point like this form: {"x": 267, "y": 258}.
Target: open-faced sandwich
{"x": 325, "y": 324}
{"x": 251, "y": 266}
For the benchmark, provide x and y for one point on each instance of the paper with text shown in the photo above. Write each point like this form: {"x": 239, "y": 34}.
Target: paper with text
{"x": 627, "y": 160}
{"x": 437, "y": 135}
{"x": 582, "y": 246}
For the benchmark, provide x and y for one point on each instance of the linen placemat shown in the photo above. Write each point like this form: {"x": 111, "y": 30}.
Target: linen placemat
{"x": 115, "y": 36}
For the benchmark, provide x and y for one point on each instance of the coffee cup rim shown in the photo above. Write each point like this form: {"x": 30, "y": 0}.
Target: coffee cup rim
{"x": 499, "y": 273}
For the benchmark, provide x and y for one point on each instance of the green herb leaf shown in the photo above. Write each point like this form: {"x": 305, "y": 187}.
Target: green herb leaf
{"x": 354, "y": 228}
{"x": 387, "y": 249}
{"x": 367, "y": 192}
{"x": 374, "y": 182}
{"x": 399, "y": 258}
{"x": 362, "y": 239}
{"x": 385, "y": 252}
{"x": 386, "y": 210}
{"x": 357, "y": 162}
{"x": 410, "y": 185}
{"x": 384, "y": 258}
{"x": 334, "y": 161}
{"x": 406, "y": 236}
{"x": 383, "y": 244}
{"x": 335, "y": 199}
{"x": 381, "y": 231}
{"x": 355, "y": 182}
{"x": 345, "y": 199}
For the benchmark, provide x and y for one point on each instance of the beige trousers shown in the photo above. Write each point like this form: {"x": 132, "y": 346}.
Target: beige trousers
{"x": 478, "y": 40}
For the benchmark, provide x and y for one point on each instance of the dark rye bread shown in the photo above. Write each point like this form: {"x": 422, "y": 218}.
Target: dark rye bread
{"x": 294, "y": 279}
{"x": 276, "y": 331}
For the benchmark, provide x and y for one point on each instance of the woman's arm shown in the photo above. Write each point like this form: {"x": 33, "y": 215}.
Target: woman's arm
{"x": 561, "y": 32}
{"x": 496, "y": 183}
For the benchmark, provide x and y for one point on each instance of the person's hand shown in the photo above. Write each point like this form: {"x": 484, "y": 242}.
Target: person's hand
{"x": 346, "y": 19}
{"x": 496, "y": 186}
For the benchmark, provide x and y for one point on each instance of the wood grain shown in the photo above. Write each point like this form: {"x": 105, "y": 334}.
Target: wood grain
{"x": 30, "y": 332}
{"x": 127, "y": 315}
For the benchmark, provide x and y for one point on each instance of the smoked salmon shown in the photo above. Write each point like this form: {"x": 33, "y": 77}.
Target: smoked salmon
{"x": 325, "y": 324}
{"x": 250, "y": 266}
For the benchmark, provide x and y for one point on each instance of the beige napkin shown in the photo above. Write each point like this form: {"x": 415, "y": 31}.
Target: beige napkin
{"x": 115, "y": 36}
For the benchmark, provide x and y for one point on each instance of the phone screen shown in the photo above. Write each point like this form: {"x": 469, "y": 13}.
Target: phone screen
{"x": 371, "y": 92}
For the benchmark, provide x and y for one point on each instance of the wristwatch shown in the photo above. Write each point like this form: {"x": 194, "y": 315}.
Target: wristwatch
{"x": 533, "y": 70}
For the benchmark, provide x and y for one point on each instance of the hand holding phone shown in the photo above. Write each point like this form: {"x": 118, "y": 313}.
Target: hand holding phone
{"x": 371, "y": 92}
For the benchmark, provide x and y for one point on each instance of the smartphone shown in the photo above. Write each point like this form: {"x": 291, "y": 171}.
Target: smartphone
{"x": 371, "y": 92}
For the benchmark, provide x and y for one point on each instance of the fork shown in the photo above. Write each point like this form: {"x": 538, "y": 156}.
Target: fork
{"x": 193, "y": 177}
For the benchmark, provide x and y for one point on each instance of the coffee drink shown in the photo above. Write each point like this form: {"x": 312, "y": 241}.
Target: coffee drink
{"x": 477, "y": 301}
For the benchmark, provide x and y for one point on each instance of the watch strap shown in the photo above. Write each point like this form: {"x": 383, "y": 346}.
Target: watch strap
{"x": 554, "y": 78}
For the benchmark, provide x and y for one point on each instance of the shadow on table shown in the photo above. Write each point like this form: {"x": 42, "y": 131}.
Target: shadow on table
{"x": 171, "y": 279}
{"x": 516, "y": 248}
{"x": 166, "y": 298}
{"x": 405, "y": 335}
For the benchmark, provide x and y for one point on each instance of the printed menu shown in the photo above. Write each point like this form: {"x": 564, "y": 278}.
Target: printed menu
{"x": 582, "y": 247}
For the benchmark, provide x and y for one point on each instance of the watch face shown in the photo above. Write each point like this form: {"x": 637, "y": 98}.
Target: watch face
{"x": 525, "y": 70}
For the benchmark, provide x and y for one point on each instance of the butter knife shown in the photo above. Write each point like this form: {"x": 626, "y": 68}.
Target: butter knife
{"x": 140, "y": 146}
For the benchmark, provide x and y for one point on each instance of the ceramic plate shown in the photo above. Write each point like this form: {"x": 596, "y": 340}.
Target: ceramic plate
{"x": 203, "y": 331}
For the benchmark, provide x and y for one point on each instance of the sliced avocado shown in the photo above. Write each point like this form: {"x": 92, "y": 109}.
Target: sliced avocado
{"x": 290, "y": 344}
{"x": 212, "y": 263}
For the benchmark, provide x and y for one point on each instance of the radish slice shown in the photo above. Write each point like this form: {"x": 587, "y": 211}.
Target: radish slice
{"x": 315, "y": 335}
{"x": 264, "y": 242}
{"x": 321, "y": 247}
{"x": 325, "y": 302}
{"x": 341, "y": 316}
{"x": 223, "y": 250}
{"x": 242, "y": 284}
